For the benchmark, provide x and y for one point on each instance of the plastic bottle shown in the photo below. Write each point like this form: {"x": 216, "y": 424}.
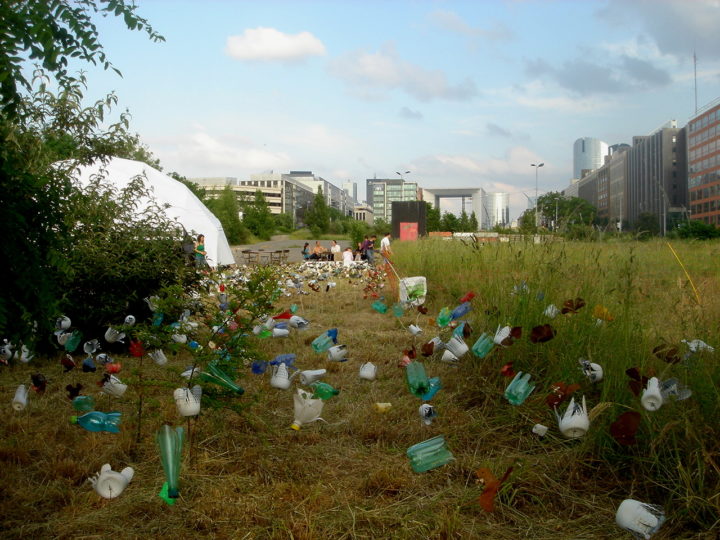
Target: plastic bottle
{"x": 306, "y": 409}
{"x": 418, "y": 382}
{"x": 73, "y": 341}
{"x": 170, "y": 443}
{"x": 83, "y": 403}
{"x": 323, "y": 390}
{"x": 460, "y": 311}
{"x": 379, "y": 306}
{"x": 429, "y": 454}
{"x": 483, "y": 345}
{"x": 98, "y": 421}
{"x": 519, "y": 389}
{"x": 217, "y": 376}
{"x": 322, "y": 343}
{"x": 444, "y": 317}
{"x": 19, "y": 402}
{"x": 398, "y": 309}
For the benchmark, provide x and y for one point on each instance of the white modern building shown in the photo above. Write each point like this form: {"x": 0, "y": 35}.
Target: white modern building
{"x": 494, "y": 210}
{"x": 588, "y": 155}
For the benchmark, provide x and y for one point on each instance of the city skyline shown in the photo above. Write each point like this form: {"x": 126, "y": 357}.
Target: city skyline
{"x": 461, "y": 94}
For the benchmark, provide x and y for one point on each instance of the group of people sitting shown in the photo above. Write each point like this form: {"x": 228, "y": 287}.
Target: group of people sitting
{"x": 365, "y": 251}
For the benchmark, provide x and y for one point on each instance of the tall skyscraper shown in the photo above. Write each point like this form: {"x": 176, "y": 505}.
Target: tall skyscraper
{"x": 588, "y": 155}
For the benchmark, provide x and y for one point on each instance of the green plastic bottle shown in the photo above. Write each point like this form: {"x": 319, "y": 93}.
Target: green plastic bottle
{"x": 444, "y": 317}
{"x": 83, "y": 403}
{"x": 429, "y": 454}
{"x": 323, "y": 390}
{"x": 417, "y": 379}
{"x": 170, "y": 443}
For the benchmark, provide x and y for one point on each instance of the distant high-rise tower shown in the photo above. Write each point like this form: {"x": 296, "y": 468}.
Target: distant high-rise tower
{"x": 588, "y": 155}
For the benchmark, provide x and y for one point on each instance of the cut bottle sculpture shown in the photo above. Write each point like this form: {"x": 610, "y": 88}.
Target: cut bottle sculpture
{"x": 170, "y": 443}
{"x": 519, "y": 388}
{"x": 307, "y": 409}
{"x": 429, "y": 454}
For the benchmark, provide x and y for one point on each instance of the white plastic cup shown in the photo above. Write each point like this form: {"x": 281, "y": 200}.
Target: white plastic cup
{"x": 110, "y": 484}
{"x": 449, "y": 357}
{"x": 643, "y": 520}
{"x": 539, "y": 430}
{"x": 188, "y": 401}
{"x": 337, "y": 353}
{"x": 280, "y": 332}
{"x": 159, "y": 357}
{"x": 19, "y": 402}
{"x": 280, "y": 378}
{"x": 368, "y": 371}
{"x": 652, "y": 398}
{"x": 457, "y": 346}
{"x": 309, "y": 376}
{"x": 415, "y": 330}
{"x": 114, "y": 387}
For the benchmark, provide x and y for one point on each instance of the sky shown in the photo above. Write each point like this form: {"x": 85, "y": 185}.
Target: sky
{"x": 463, "y": 94}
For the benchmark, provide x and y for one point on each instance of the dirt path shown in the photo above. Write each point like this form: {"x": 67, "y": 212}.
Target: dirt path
{"x": 281, "y": 241}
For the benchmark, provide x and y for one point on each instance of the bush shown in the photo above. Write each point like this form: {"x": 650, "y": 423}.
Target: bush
{"x": 116, "y": 254}
{"x": 697, "y": 229}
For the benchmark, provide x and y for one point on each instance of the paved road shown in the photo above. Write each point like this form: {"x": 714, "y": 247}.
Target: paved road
{"x": 282, "y": 241}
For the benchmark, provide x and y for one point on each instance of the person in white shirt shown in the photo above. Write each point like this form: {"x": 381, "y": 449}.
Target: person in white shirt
{"x": 334, "y": 251}
{"x": 385, "y": 250}
{"x": 347, "y": 258}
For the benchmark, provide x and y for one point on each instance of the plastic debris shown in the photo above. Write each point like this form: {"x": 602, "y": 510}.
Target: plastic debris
{"x": 187, "y": 400}
{"x": 39, "y": 382}
{"x": 624, "y": 429}
{"x": 110, "y": 484}
{"x": 652, "y": 398}
{"x": 216, "y": 375}
{"x": 170, "y": 443}
{"x": 575, "y": 422}
{"x": 539, "y": 430}
{"x": 519, "y": 389}
{"x": 280, "y": 377}
{"x": 382, "y": 407}
{"x": 427, "y": 413}
{"x": 158, "y": 357}
{"x": 309, "y": 376}
{"x": 98, "y": 421}
{"x": 337, "y": 353}
{"x": 642, "y": 520}
{"x": 368, "y": 371}
{"x": 483, "y": 346}
{"x": 112, "y": 386}
{"x": 444, "y": 317}
{"x": 307, "y": 409}
{"x": 418, "y": 382}
{"x": 487, "y": 499}
{"x": 20, "y": 399}
{"x": 551, "y": 311}
{"x": 457, "y": 346}
{"x": 113, "y": 336}
{"x": 594, "y": 372}
{"x": 429, "y": 454}
{"x": 323, "y": 390}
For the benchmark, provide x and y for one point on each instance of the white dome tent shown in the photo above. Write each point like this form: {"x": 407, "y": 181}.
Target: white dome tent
{"x": 184, "y": 207}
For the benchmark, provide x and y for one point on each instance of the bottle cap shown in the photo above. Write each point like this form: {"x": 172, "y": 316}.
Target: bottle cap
{"x": 73, "y": 419}
{"x": 295, "y": 425}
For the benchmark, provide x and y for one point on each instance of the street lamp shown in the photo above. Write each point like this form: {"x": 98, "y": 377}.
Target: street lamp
{"x": 537, "y": 166}
{"x": 401, "y": 174}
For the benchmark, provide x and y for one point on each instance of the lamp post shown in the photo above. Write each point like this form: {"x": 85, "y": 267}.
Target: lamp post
{"x": 537, "y": 166}
{"x": 401, "y": 174}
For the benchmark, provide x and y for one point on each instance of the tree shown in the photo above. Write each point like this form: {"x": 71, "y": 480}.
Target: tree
{"x": 569, "y": 210}
{"x": 283, "y": 222}
{"x": 647, "y": 223}
{"x": 474, "y": 223}
{"x": 432, "y": 217}
{"x": 450, "y": 222}
{"x": 35, "y": 127}
{"x": 464, "y": 222}
{"x": 51, "y": 33}
{"x": 227, "y": 210}
{"x": 258, "y": 218}
{"x": 317, "y": 217}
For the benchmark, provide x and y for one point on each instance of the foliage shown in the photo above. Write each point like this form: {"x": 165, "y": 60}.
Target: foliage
{"x": 432, "y": 218}
{"x": 37, "y": 130}
{"x": 697, "y": 229}
{"x": 116, "y": 253}
{"x": 569, "y": 210}
{"x": 473, "y": 223}
{"x": 357, "y": 230}
{"x": 317, "y": 217}
{"x": 227, "y": 210}
{"x": 283, "y": 222}
{"x": 450, "y": 222}
{"x": 647, "y": 224}
{"x": 52, "y": 33}
{"x": 257, "y": 216}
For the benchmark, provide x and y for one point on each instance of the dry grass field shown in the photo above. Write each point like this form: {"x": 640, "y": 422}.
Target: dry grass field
{"x": 246, "y": 474}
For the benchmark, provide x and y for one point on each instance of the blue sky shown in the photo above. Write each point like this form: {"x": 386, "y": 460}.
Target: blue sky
{"x": 460, "y": 93}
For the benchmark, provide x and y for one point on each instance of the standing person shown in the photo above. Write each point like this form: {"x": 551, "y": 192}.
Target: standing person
{"x": 334, "y": 251}
{"x": 363, "y": 248}
{"x": 370, "y": 250}
{"x": 200, "y": 253}
{"x": 385, "y": 250}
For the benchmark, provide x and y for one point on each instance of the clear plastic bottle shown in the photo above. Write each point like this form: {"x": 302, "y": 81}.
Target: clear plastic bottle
{"x": 98, "y": 421}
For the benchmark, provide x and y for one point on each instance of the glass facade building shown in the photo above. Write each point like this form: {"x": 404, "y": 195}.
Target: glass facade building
{"x": 703, "y": 134}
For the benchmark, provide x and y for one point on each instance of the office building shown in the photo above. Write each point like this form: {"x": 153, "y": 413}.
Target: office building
{"x": 588, "y": 155}
{"x": 351, "y": 191}
{"x": 381, "y": 192}
{"x": 703, "y": 140}
{"x": 334, "y": 196}
{"x": 494, "y": 210}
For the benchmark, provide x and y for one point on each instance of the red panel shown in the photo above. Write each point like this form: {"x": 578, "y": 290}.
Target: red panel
{"x": 408, "y": 231}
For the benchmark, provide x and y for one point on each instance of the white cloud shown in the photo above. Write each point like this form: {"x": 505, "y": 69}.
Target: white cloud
{"x": 268, "y": 44}
{"x": 452, "y": 22}
{"x": 202, "y": 154}
{"x": 385, "y": 70}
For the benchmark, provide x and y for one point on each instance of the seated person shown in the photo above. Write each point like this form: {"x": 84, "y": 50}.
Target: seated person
{"x": 319, "y": 252}
{"x": 306, "y": 251}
